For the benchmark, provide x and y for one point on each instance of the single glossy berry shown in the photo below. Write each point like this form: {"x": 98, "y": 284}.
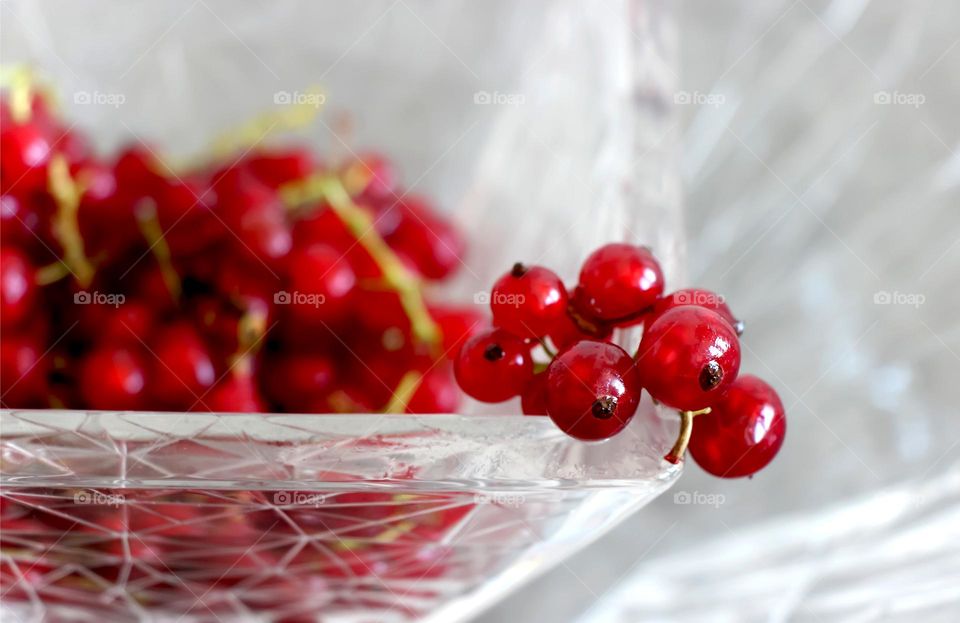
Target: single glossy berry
{"x": 688, "y": 357}
{"x": 373, "y": 176}
{"x": 255, "y": 216}
{"x": 424, "y": 239}
{"x": 698, "y": 297}
{"x": 436, "y": 393}
{"x": 181, "y": 367}
{"x": 24, "y": 155}
{"x": 295, "y": 381}
{"x": 456, "y": 324}
{"x": 19, "y": 222}
{"x": 237, "y": 393}
{"x": 113, "y": 378}
{"x": 275, "y": 167}
{"x": 23, "y": 372}
{"x": 528, "y": 301}
{"x": 494, "y": 366}
{"x": 320, "y": 283}
{"x": 619, "y": 281}
{"x": 580, "y": 324}
{"x": 533, "y": 401}
{"x": 18, "y": 288}
{"x": 136, "y": 167}
{"x": 593, "y": 390}
{"x": 743, "y": 431}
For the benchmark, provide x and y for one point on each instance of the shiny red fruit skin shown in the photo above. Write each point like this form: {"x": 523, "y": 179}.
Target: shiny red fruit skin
{"x": 493, "y": 366}
{"x": 24, "y": 155}
{"x": 320, "y": 283}
{"x": 276, "y": 167}
{"x": 427, "y": 241}
{"x": 436, "y": 393}
{"x": 678, "y": 351}
{"x": 113, "y": 379}
{"x": 19, "y": 222}
{"x": 382, "y": 178}
{"x": 18, "y": 288}
{"x": 237, "y": 393}
{"x": 23, "y": 372}
{"x": 528, "y": 301}
{"x": 533, "y": 401}
{"x": 743, "y": 431}
{"x": 456, "y": 324}
{"x": 580, "y": 383}
{"x": 692, "y": 296}
{"x": 620, "y": 280}
{"x": 182, "y": 369}
{"x": 295, "y": 381}
{"x": 568, "y": 332}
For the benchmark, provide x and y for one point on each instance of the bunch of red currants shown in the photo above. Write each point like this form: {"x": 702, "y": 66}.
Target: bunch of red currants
{"x": 688, "y": 359}
{"x": 266, "y": 282}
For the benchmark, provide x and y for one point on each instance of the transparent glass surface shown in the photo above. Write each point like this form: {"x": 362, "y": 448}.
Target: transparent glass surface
{"x": 219, "y": 515}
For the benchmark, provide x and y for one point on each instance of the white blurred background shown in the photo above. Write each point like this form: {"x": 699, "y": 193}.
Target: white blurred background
{"x": 821, "y": 170}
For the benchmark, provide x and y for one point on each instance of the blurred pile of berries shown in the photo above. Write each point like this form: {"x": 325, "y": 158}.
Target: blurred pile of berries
{"x": 265, "y": 281}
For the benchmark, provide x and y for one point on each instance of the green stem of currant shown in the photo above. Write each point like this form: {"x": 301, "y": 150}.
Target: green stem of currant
{"x": 405, "y": 389}
{"x": 396, "y": 276}
{"x": 152, "y": 232}
{"x": 67, "y": 194}
{"x": 683, "y": 437}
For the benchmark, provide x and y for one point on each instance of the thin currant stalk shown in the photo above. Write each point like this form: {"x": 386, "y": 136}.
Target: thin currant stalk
{"x": 67, "y": 193}
{"x": 152, "y": 232}
{"x": 683, "y": 437}
{"x": 396, "y": 276}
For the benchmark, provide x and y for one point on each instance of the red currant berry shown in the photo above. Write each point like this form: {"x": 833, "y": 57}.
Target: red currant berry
{"x": 533, "y": 401}
{"x": 378, "y": 175}
{"x": 425, "y": 239}
{"x": 688, "y": 357}
{"x": 18, "y": 288}
{"x": 457, "y": 324}
{"x": 494, "y": 366}
{"x": 279, "y": 166}
{"x": 182, "y": 369}
{"x": 580, "y": 324}
{"x": 23, "y": 372}
{"x": 743, "y": 431}
{"x": 296, "y": 381}
{"x": 18, "y": 222}
{"x": 235, "y": 394}
{"x": 593, "y": 390}
{"x": 700, "y": 298}
{"x": 436, "y": 393}
{"x": 113, "y": 378}
{"x": 254, "y": 213}
{"x": 321, "y": 283}
{"x": 620, "y": 281}
{"x": 137, "y": 167}
{"x": 528, "y": 301}
{"x": 24, "y": 155}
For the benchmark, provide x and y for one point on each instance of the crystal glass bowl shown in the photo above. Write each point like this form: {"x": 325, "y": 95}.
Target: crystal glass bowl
{"x": 287, "y": 517}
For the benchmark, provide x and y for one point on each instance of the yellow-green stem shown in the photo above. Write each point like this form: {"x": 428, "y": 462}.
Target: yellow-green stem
{"x": 67, "y": 194}
{"x": 405, "y": 389}
{"x": 683, "y": 437}
{"x": 396, "y": 276}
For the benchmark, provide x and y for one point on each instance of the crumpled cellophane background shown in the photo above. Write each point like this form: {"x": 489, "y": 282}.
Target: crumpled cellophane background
{"x": 822, "y": 179}
{"x": 821, "y": 165}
